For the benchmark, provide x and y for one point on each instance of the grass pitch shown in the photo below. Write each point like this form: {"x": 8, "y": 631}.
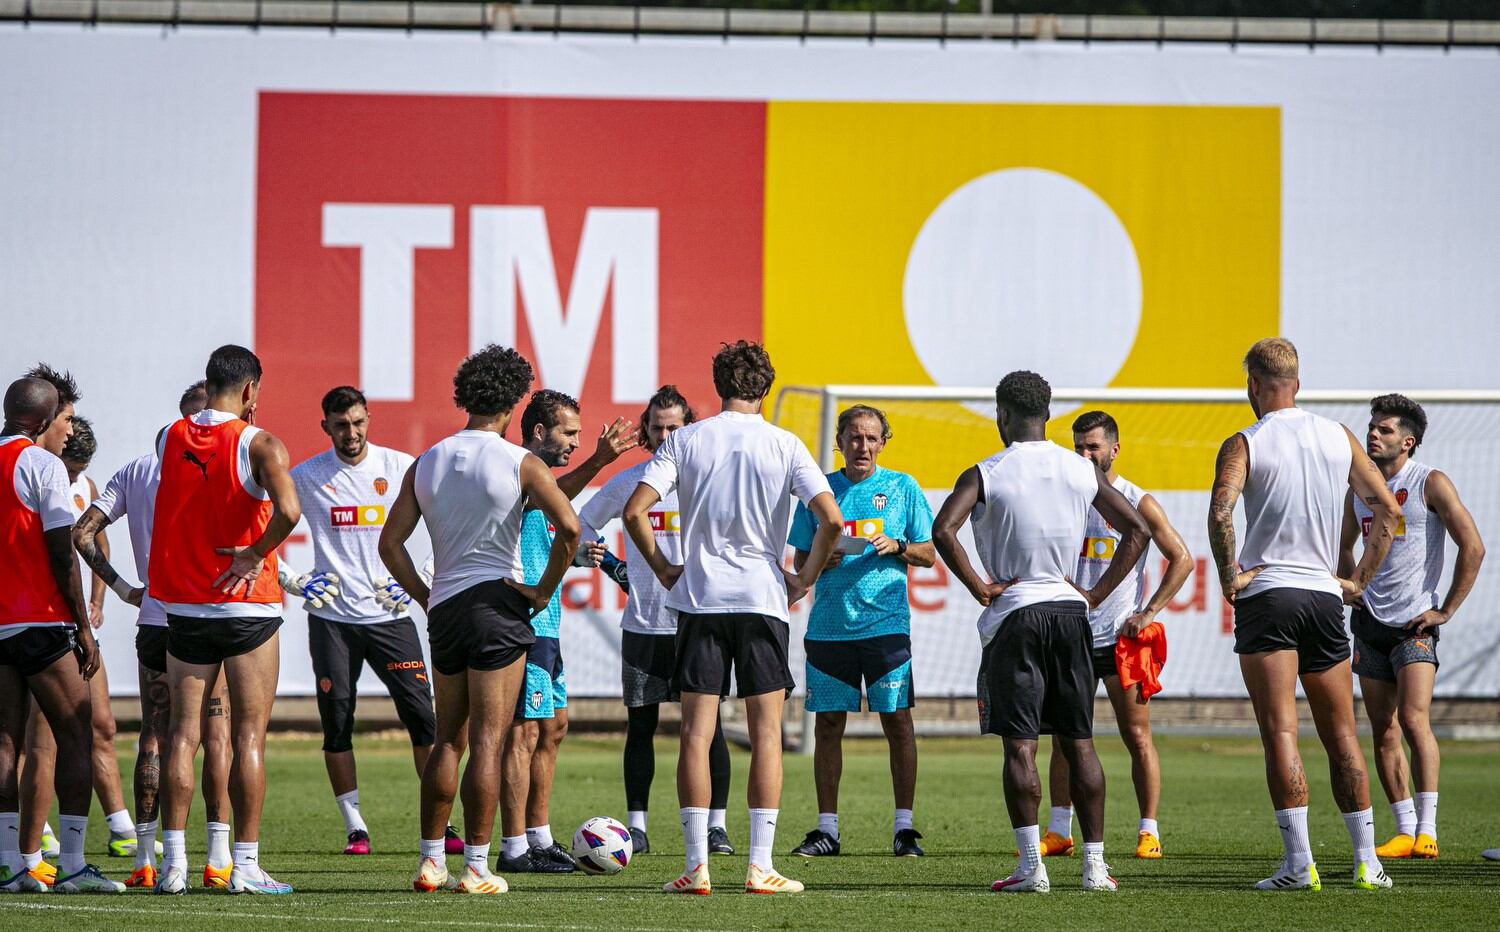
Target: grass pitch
{"x": 1217, "y": 833}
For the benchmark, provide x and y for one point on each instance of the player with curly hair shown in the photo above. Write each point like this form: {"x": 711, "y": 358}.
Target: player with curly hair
{"x": 472, "y": 489}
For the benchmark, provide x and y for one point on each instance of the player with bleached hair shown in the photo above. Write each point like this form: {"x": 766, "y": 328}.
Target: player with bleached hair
{"x": 1294, "y": 469}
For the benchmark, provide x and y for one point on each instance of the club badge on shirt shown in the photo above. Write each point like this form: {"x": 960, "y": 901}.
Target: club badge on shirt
{"x": 381, "y": 485}
{"x": 879, "y": 500}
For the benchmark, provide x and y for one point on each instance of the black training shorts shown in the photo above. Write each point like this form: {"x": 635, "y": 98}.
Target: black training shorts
{"x": 753, "y": 646}
{"x": 1381, "y": 650}
{"x": 1104, "y": 662}
{"x": 1036, "y": 676}
{"x": 485, "y": 627}
{"x": 206, "y": 641}
{"x": 1308, "y": 622}
{"x": 32, "y": 650}
{"x": 647, "y": 662}
{"x": 151, "y": 647}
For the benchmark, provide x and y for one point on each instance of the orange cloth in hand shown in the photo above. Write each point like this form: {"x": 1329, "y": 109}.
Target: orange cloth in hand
{"x": 1140, "y": 659}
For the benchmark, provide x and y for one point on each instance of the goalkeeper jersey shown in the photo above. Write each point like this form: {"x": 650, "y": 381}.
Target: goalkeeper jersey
{"x": 865, "y": 595}
{"x": 536, "y": 547}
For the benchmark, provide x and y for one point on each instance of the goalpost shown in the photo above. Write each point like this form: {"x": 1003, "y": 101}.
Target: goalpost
{"x": 1169, "y": 438}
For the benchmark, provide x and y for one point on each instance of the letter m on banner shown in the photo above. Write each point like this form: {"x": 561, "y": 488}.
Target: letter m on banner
{"x": 510, "y": 255}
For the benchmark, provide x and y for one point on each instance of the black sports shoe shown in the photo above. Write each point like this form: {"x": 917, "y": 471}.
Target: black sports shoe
{"x": 559, "y": 855}
{"x": 817, "y": 844}
{"x": 718, "y": 840}
{"x": 905, "y": 844}
{"x": 536, "y": 860}
{"x": 638, "y": 842}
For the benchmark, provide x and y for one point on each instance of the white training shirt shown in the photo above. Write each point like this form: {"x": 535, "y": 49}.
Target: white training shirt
{"x": 469, "y": 488}
{"x": 1099, "y": 544}
{"x": 734, "y": 475}
{"x": 209, "y": 417}
{"x": 1294, "y": 501}
{"x": 1407, "y": 583}
{"x": 1032, "y": 511}
{"x": 646, "y": 611}
{"x": 131, "y": 492}
{"x": 41, "y": 483}
{"x": 345, "y": 508}
{"x": 81, "y": 495}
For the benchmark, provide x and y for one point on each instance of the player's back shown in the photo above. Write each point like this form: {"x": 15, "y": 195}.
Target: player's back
{"x": 1031, "y": 515}
{"x": 469, "y": 488}
{"x": 735, "y": 476}
{"x": 1294, "y": 500}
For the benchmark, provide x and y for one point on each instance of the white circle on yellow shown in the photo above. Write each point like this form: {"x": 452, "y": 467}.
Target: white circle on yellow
{"x": 372, "y": 515}
{"x": 1100, "y": 547}
{"x": 1022, "y": 269}
{"x": 867, "y": 528}
{"x": 676, "y": 522}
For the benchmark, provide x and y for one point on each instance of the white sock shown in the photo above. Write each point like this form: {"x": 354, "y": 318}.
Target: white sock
{"x": 74, "y": 829}
{"x": 513, "y": 847}
{"x": 477, "y": 857}
{"x": 1293, "y": 825}
{"x": 145, "y": 844}
{"x": 763, "y": 836}
{"x": 1029, "y": 843}
{"x": 718, "y": 818}
{"x": 1093, "y": 851}
{"x": 349, "y": 809}
{"x": 1061, "y": 822}
{"x": 636, "y": 818}
{"x": 694, "y": 836}
{"x": 432, "y": 848}
{"x": 903, "y": 820}
{"x": 828, "y": 822}
{"x": 539, "y": 836}
{"x": 10, "y": 841}
{"x": 1149, "y": 825}
{"x": 119, "y": 823}
{"x": 247, "y": 857}
{"x": 1361, "y": 826}
{"x": 1427, "y": 814}
{"x": 173, "y": 850}
{"x": 31, "y": 860}
{"x": 1405, "y": 811}
{"x": 218, "y": 845}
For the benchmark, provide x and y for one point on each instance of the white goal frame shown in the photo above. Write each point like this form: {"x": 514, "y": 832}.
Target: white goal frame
{"x": 830, "y": 396}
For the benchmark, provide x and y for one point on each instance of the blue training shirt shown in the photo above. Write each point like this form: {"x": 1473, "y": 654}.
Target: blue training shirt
{"x": 865, "y": 595}
{"x": 536, "y": 546}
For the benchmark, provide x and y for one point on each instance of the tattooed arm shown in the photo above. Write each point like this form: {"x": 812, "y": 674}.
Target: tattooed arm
{"x": 1230, "y": 470}
{"x": 1366, "y": 481}
{"x": 86, "y": 534}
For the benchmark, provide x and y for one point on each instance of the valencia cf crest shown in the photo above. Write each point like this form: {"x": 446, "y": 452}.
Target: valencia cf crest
{"x": 381, "y": 485}
{"x": 879, "y": 500}
{"x": 78, "y": 500}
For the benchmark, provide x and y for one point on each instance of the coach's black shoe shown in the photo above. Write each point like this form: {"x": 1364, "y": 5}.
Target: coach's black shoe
{"x": 557, "y": 854}
{"x": 718, "y": 840}
{"x": 638, "y": 842}
{"x": 817, "y": 844}
{"x": 905, "y": 845}
{"x": 536, "y": 860}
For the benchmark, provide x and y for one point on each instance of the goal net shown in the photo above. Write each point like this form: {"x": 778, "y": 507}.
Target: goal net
{"x": 1168, "y": 442}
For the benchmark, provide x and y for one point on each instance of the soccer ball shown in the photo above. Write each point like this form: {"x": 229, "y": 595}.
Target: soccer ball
{"x": 602, "y": 846}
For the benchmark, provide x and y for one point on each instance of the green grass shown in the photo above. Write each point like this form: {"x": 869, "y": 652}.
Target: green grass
{"x": 1218, "y": 835}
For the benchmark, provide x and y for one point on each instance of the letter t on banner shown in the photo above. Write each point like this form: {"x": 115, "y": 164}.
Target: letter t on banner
{"x": 387, "y": 236}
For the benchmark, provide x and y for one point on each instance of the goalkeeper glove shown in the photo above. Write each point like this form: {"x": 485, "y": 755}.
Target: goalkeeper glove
{"x": 614, "y": 568}
{"x": 391, "y": 597}
{"x": 317, "y": 587}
